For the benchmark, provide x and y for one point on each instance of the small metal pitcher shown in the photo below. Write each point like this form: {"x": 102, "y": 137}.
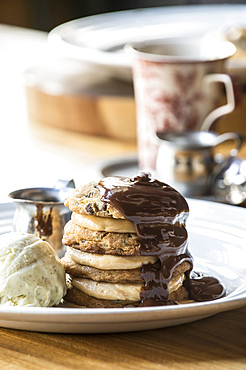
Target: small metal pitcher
{"x": 41, "y": 211}
{"x": 186, "y": 160}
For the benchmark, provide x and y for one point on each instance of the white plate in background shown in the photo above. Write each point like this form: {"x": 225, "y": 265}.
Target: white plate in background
{"x": 100, "y": 39}
{"x": 217, "y": 236}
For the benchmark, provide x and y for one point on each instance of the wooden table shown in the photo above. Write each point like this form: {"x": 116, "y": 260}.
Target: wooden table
{"x": 32, "y": 154}
{"x": 214, "y": 343}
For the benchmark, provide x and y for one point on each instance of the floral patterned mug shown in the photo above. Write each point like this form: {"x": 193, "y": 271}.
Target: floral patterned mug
{"x": 177, "y": 84}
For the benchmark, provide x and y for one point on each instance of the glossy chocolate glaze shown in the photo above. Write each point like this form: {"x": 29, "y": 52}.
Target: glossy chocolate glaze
{"x": 159, "y": 214}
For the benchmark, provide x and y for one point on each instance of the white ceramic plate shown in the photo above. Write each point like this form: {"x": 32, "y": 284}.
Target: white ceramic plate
{"x": 100, "y": 39}
{"x": 218, "y": 243}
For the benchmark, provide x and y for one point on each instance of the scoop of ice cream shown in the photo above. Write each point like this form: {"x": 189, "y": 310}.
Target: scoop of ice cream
{"x": 31, "y": 274}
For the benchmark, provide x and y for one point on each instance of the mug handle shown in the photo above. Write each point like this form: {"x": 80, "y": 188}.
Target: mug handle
{"x": 224, "y": 109}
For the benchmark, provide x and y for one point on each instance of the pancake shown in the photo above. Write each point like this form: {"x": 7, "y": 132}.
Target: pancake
{"x": 82, "y": 299}
{"x": 109, "y": 262}
{"x": 107, "y": 224}
{"x": 119, "y": 291}
{"x": 110, "y": 275}
{"x": 100, "y": 241}
{"x": 86, "y": 200}
{"x": 120, "y": 276}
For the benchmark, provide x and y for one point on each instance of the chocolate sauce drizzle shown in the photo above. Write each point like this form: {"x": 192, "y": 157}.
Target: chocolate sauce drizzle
{"x": 43, "y": 223}
{"x": 159, "y": 214}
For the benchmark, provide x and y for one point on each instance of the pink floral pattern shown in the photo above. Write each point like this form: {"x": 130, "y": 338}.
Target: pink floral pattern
{"x": 169, "y": 97}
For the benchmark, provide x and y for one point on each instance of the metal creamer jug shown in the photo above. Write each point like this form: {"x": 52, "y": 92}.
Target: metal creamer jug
{"x": 186, "y": 160}
{"x": 41, "y": 211}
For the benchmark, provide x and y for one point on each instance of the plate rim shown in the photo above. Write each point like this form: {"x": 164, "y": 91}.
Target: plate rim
{"x": 65, "y": 316}
{"x": 115, "y": 315}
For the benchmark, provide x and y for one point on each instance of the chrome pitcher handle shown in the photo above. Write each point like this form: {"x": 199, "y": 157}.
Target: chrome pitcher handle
{"x": 238, "y": 139}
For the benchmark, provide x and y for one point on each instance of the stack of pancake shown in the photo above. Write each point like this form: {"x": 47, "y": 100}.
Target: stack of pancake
{"x": 103, "y": 260}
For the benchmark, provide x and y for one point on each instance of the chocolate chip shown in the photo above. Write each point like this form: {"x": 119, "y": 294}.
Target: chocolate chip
{"x": 89, "y": 208}
{"x": 105, "y": 206}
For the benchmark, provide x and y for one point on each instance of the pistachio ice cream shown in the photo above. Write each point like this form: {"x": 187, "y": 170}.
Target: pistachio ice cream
{"x": 31, "y": 274}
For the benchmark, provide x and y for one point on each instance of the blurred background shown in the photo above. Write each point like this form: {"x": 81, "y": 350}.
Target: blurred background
{"x": 67, "y": 117}
{"x": 46, "y": 14}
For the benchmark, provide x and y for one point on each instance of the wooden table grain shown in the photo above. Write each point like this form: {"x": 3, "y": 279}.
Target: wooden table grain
{"x": 214, "y": 343}
{"x": 32, "y": 153}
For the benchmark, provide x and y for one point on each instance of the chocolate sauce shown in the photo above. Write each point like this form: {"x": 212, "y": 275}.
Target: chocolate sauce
{"x": 42, "y": 223}
{"x": 159, "y": 214}
{"x": 204, "y": 288}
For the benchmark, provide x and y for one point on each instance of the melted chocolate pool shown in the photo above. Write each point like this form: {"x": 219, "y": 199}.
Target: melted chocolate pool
{"x": 159, "y": 214}
{"x": 204, "y": 288}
